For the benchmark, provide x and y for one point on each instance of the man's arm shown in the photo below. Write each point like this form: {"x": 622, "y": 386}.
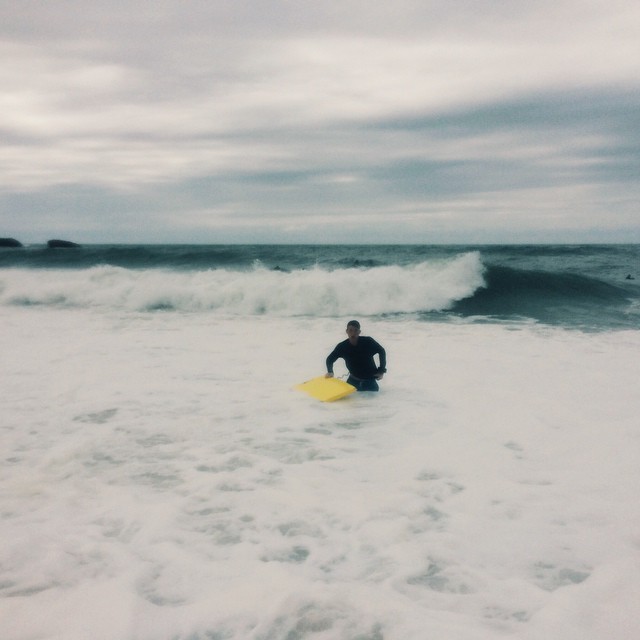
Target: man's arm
{"x": 331, "y": 358}
{"x": 382, "y": 355}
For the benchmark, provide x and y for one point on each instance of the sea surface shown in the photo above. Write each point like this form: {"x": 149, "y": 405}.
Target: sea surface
{"x": 162, "y": 479}
{"x": 581, "y": 286}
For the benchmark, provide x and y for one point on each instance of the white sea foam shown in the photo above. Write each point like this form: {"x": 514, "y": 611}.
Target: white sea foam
{"x": 161, "y": 480}
{"x": 426, "y": 286}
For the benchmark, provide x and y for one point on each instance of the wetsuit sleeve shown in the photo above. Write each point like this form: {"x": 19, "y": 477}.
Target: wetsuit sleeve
{"x": 332, "y": 357}
{"x": 382, "y": 354}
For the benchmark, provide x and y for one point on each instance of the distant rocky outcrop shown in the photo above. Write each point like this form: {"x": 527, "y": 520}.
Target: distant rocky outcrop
{"x": 61, "y": 244}
{"x": 10, "y": 242}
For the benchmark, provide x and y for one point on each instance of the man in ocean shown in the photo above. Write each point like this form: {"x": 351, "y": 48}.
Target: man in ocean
{"x": 358, "y": 352}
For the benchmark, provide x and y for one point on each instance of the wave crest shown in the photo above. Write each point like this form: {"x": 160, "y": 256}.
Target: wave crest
{"x": 427, "y": 286}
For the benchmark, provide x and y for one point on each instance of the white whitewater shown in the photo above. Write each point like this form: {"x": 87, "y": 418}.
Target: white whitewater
{"x": 161, "y": 480}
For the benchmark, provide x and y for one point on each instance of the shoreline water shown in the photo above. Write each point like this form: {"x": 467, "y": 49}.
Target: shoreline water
{"x": 162, "y": 480}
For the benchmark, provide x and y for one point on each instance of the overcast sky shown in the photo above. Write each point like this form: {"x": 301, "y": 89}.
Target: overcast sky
{"x": 342, "y": 121}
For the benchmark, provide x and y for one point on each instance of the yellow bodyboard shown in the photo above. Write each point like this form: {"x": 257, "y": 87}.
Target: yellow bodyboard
{"x": 326, "y": 389}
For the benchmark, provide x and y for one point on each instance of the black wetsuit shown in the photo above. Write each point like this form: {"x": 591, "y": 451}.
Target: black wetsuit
{"x": 359, "y": 361}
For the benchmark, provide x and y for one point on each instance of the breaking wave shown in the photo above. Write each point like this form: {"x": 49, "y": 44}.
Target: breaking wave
{"x": 427, "y": 286}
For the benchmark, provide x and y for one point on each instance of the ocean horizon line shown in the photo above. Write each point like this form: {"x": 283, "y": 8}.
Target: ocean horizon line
{"x": 81, "y": 243}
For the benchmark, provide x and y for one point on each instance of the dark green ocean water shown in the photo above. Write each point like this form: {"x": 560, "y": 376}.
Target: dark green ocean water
{"x": 578, "y": 286}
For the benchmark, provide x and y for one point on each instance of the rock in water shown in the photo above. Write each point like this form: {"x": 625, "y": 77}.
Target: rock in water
{"x": 61, "y": 244}
{"x": 10, "y": 242}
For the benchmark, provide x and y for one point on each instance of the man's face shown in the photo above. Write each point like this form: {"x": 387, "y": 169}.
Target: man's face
{"x": 353, "y": 332}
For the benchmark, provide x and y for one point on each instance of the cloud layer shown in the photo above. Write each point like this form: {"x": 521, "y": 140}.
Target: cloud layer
{"x": 282, "y": 122}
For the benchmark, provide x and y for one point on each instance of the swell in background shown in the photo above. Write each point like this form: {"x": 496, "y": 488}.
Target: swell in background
{"x": 574, "y": 286}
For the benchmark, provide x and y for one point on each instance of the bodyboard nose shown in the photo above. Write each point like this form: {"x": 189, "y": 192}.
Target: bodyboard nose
{"x": 326, "y": 389}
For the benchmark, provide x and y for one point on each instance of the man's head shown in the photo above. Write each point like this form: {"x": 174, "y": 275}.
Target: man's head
{"x": 353, "y": 330}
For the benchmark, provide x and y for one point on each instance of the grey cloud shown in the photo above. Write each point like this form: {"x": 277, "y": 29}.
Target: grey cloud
{"x": 283, "y": 118}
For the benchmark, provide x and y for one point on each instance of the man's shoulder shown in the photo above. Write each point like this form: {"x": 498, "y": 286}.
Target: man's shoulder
{"x": 370, "y": 342}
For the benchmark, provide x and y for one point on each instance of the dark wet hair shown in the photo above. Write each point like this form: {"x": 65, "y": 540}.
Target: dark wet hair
{"x": 353, "y": 323}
